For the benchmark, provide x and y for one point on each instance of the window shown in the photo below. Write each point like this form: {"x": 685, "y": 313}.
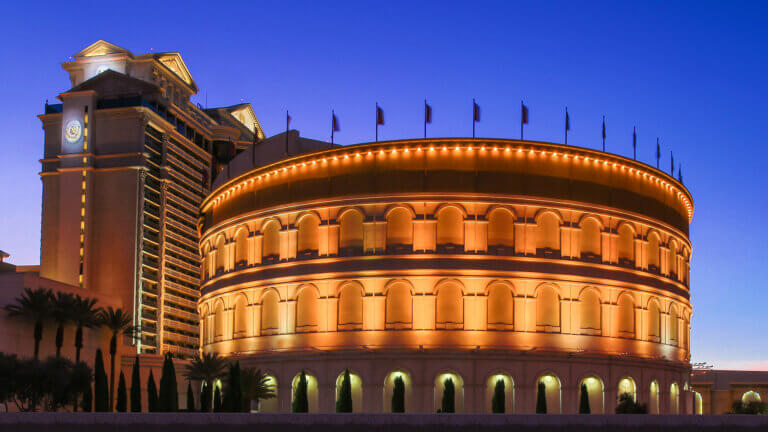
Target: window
{"x": 501, "y": 228}
{"x": 500, "y": 307}
{"x": 626, "y": 320}
{"x": 590, "y": 312}
{"x": 450, "y": 226}
{"x": 654, "y": 321}
{"x": 548, "y": 232}
{"x": 271, "y": 240}
{"x": 241, "y": 316}
{"x": 351, "y": 231}
{"x": 399, "y": 227}
{"x": 270, "y": 322}
{"x": 399, "y": 307}
{"x": 449, "y": 306}
{"x": 350, "y": 306}
{"x": 241, "y": 247}
{"x": 308, "y": 234}
{"x": 590, "y": 238}
{"x": 307, "y": 305}
{"x": 548, "y": 309}
{"x": 626, "y": 244}
{"x": 221, "y": 254}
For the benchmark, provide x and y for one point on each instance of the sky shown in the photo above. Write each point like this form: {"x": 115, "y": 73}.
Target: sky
{"x": 691, "y": 73}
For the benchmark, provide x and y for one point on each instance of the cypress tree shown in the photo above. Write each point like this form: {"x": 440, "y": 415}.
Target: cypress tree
{"x": 168, "y": 400}
{"x": 449, "y": 397}
{"x": 584, "y": 400}
{"x": 217, "y": 400}
{"x": 205, "y": 398}
{"x": 190, "y": 398}
{"x": 300, "y": 401}
{"x": 233, "y": 397}
{"x": 122, "y": 394}
{"x": 136, "y": 387}
{"x": 100, "y": 385}
{"x": 87, "y": 403}
{"x": 398, "y": 395}
{"x": 151, "y": 393}
{"x": 541, "y": 398}
{"x": 344, "y": 402}
{"x": 498, "y": 402}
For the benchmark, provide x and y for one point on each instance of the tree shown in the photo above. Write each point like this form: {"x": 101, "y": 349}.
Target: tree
{"x": 300, "y": 402}
{"x": 151, "y": 393}
{"x": 217, "y": 400}
{"x": 206, "y": 368}
{"x": 541, "y": 398}
{"x": 8, "y": 365}
{"x": 34, "y": 305}
{"x": 448, "y": 404}
{"x": 344, "y": 402}
{"x": 751, "y": 407}
{"x": 136, "y": 387}
{"x": 80, "y": 386}
{"x": 61, "y": 311}
{"x": 398, "y": 395}
{"x": 584, "y": 400}
{"x": 627, "y": 405}
{"x": 498, "y": 402}
{"x": 190, "y": 398}
{"x": 257, "y": 386}
{"x": 169, "y": 392}
{"x": 85, "y": 314}
{"x": 233, "y": 396}
{"x": 122, "y": 395}
{"x": 86, "y": 403}
{"x": 118, "y": 322}
{"x": 100, "y": 388}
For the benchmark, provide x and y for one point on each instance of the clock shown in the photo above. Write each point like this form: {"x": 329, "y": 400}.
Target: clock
{"x": 74, "y": 131}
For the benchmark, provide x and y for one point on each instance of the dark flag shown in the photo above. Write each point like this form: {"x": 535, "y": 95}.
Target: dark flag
{"x": 287, "y": 127}
{"x": 334, "y": 125}
{"x": 567, "y": 125}
{"x": 475, "y": 115}
{"x": 603, "y": 133}
{"x": 523, "y": 117}
{"x": 634, "y": 142}
{"x": 427, "y": 116}
{"x": 672, "y": 163}
{"x": 379, "y": 119}
{"x": 680, "y": 173}
{"x": 658, "y": 152}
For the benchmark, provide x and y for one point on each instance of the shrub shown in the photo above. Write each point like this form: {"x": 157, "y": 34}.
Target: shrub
{"x": 541, "y": 398}
{"x": 498, "y": 401}
{"x": 448, "y": 404}
{"x": 753, "y": 407}
{"x": 584, "y": 400}
{"x": 152, "y": 401}
{"x": 122, "y": 394}
{"x": 398, "y": 395}
{"x": 344, "y": 402}
{"x": 136, "y": 387}
{"x": 627, "y": 405}
{"x": 300, "y": 402}
{"x": 100, "y": 385}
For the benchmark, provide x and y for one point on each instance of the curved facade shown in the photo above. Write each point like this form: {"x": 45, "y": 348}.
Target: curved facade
{"x": 479, "y": 260}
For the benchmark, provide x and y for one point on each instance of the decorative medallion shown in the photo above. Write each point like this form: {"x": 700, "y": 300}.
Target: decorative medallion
{"x": 74, "y": 131}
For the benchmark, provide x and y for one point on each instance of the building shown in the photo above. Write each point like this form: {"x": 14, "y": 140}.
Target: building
{"x": 715, "y": 391}
{"x": 128, "y": 160}
{"x": 478, "y": 260}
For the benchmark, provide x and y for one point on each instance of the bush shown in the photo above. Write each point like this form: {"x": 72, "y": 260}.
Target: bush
{"x": 498, "y": 401}
{"x": 100, "y": 385}
{"x": 541, "y": 398}
{"x": 753, "y": 407}
{"x": 584, "y": 400}
{"x": 122, "y": 395}
{"x": 300, "y": 403}
{"x": 398, "y": 395}
{"x": 627, "y": 405}
{"x": 53, "y": 384}
{"x": 344, "y": 402}
{"x": 448, "y": 404}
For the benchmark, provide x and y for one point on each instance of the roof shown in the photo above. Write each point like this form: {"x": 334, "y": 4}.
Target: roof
{"x": 111, "y": 83}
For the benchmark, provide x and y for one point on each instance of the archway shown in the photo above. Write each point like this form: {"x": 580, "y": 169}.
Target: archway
{"x": 356, "y": 383}
{"x": 458, "y": 385}
{"x": 674, "y": 399}
{"x": 312, "y": 390}
{"x": 596, "y": 393}
{"x": 627, "y": 386}
{"x": 552, "y": 393}
{"x": 389, "y": 386}
{"x": 653, "y": 402}
{"x": 268, "y": 405}
{"x": 509, "y": 392}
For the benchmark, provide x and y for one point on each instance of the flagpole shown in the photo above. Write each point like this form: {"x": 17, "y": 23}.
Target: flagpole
{"x": 474, "y": 104}
{"x": 634, "y": 142}
{"x": 287, "y": 126}
{"x": 377, "y": 121}
{"x": 522, "y": 119}
{"x": 566, "y": 125}
{"x": 603, "y": 133}
{"x": 425, "y": 119}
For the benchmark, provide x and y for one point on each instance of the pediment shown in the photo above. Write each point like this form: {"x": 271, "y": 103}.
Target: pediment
{"x": 176, "y": 65}
{"x": 102, "y": 48}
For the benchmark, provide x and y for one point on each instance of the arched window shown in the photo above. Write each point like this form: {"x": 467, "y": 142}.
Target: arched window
{"x": 652, "y": 252}
{"x": 595, "y": 393}
{"x": 271, "y": 240}
{"x": 268, "y": 405}
{"x": 399, "y": 306}
{"x": 218, "y": 321}
{"x": 653, "y": 403}
{"x": 673, "y": 323}
{"x": 686, "y": 332}
{"x": 241, "y": 248}
{"x": 458, "y": 391}
{"x": 590, "y": 312}
{"x": 241, "y": 316}
{"x": 548, "y": 309}
{"x": 750, "y": 396}
{"x": 626, "y": 244}
{"x": 351, "y": 233}
{"x": 221, "y": 254}
{"x": 674, "y": 399}
{"x": 312, "y": 390}
{"x": 356, "y": 387}
{"x": 450, "y": 228}
{"x": 205, "y": 334}
{"x": 389, "y": 389}
{"x": 654, "y": 321}
{"x": 449, "y": 306}
{"x": 270, "y": 317}
{"x": 308, "y": 235}
{"x": 307, "y": 305}
{"x": 501, "y": 307}
{"x": 673, "y": 271}
{"x": 548, "y": 234}
{"x": 350, "y": 307}
{"x": 501, "y": 229}
{"x": 627, "y": 386}
{"x": 399, "y": 229}
{"x": 590, "y": 238}
{"x": 626, "y": 319}
{"x": 491, "y": 386}
{"x": 206, "y": 261}
{"x": 552, "y": 393}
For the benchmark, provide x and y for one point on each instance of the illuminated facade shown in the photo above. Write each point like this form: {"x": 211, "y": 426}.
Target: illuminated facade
{"x": 128, "y": 159}
{"x": 476, "y": 259}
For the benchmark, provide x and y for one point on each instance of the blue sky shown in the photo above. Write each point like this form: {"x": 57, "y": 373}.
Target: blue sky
{"x": 691, "y": 73}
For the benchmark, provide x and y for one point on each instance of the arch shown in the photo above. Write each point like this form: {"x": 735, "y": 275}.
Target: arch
{"x": 206, "y": 261}
{"x": 241, "y": 247}
{"x": 307, "y": 309}
{"x": 270, "y": 243}
{"x": 458, "y": 384}
{"x": 312, "y": 390}
{"x": 450, "y": 226}
{"x": 627, "y": 385}
{"x": 221, "y": 254}
{"x": 509, "y": 392}
{"x": 591, "y": 311}
{"x": 673, "y": 326}
{"x": 547, "y": 233}
{"x": 674, "y": 398}
{"x": 240, "y": 324}
{"x": 218, "y": 320}
{"x": 351, "y": 230}
{"x": 547, "y": 309}
{"x": 626, "y": 315}
{"x": 398, "y": 308}
{"x": 501, "y": 306}
{"x": 399, "y": 228}
{"x": 269, "y": 405}
{"x": 501, "y": 228}
{"x": 626, "y": 243}
{"x": 389, "y": 385}
{"x": 308, "y": 234}
{"x": 673, "y": 270}
{"x": 654, "y": 320}
{"x": 350, "y": 306}
{"x": 698, "y": 403}
{"x": 356, "y": 383}
{"x": 270, "y": 312}
{"x": 205, "y": 334}
{"x": 653, "y": 402}
{"x": 652, "y": 251}
{"x": 590, "y": 239}
{"x": 449, "y": 305}
{"x": 552, "y": 392}
{"x": 595, "y": 393}
{"x": 750, "y": 396}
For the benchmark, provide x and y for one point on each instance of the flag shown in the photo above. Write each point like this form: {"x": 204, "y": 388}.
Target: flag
{"x": 567, "y": 120}
{"x": 680, "y": 173}
{"x": 672, "y": 162}
{"x": 524, "y": 113}
{"x": 603, "y": 127}
{"x": 427, "y": 113}
{"x": 475, "y": 111}
{"x": 379, "y": 115}
{"x": 287, "y": 121}
{"x": 334, "y": 122}
{"x": 634, "y": 141}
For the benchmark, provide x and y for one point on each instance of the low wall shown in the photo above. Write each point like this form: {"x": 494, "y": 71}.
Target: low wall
{"x": 182, "y": 422}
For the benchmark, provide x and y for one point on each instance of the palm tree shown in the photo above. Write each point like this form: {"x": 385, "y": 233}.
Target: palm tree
{"x": 61, "y": 312}
{"x": 34, "y": 305}
{"x": 257, "y": 386}
{"x": 118, "y": 322}
{"x": 206, "y": 368}
{"x": 84, "y": 314}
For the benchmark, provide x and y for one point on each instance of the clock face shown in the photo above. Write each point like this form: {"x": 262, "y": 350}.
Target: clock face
{"x": 73, "y": 131}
